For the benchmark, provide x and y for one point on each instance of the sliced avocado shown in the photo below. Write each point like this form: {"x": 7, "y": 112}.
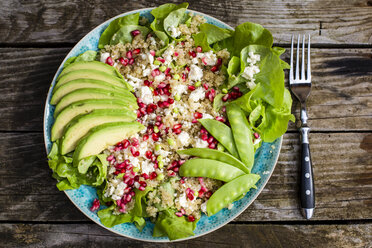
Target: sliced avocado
{"x": 81, "y": 107}
{"x": 84, "y": 83}
{"x": 102, "y": 136}
{"x": 81, "y": 124}
{"x": 92, "y": 93}
{"x": 92, "y": 74}
{"x": 91, "y": 65}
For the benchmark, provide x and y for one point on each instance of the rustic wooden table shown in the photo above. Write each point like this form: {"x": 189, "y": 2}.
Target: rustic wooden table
{"x": 35, "y": 36}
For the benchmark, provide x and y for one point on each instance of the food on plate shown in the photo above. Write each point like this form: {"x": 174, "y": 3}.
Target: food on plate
{"x": 164, "y": 119}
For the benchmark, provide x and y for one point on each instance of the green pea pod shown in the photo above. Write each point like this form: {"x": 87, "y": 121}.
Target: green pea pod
{"x": 199, "y": 167}
{"x": 214, "y": 155}
{"x": 242, "y": 134}
{"x": 222, "y": 133}
{"x": 230, "y": 192}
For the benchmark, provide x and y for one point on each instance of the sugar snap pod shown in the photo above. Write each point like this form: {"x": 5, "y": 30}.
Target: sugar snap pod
{"x": 230, "y": 192}
{"x": 242, "y": 134}
{"x": 199, "y": 167}
{"x": 222, "y": 133}
{"x": 215, "y": 155}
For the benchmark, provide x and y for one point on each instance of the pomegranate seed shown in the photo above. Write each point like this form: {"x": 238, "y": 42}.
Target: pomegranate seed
{"x": 219, "y": 62}
{"x": 204, "y": 137}
{"x": 178, "y": 214}
{"x": 143, "y": 183}
{"x": 190, "y": 196}
{"x": 223, "y": 109}
{"x": 177, "y": 126}
{"x": 155, "y": 72}
{"x": 214, "y": 68}
{"x": 225, "y": 97}
{"x": 171, "y": 173}
{"x": 133, "y": 150}
{"x": 120, "y": 166}
{"x": 219, "y": 118}
{"x": 184, "y": 77}
{"x": 203, "y": 131}
{"x": 204, "y": 60}
{"x": 191, "y": 87}
{"x": 183, "y": 211}
{"x": 175, "y": 169}
{"x": 166, "y": 72}
{"x": 130, "y": 182}
{"x": 212, "y": 146}
{"x": 147, "y": 83}
{"x": 129, "y": 54}
{"x": 205, "y": 86}
{"x": 137, "y": 50}
{"x": 158, "y": 118}
{"x": 194, "y": 121}
{"x": 199, "y": 49}
{"x": 170, "y": 101}
{"x": 109, "y": 61}
{"x": 131, "y": 61}
{"x": 210, "y": 140}
{"x": 135, "y": 32}
{"x": 236, "y": 88}
{"x": 198, "y": 115}
{"x": 148, "y": 154}
{"x": 116, "y": 172}
{"x": 176, "y": 54}
{"x": 145, "y": 176}
{"x": 162, "y": 85}
{"x": 95, "y": 205}
{"x": 182, "y": 43}
{"x": 177, "y": 131}
{"x": 152, "y": 52}
{"x": 141, "y": 188}
{"x": 135, "y": 142}
{"x": 187, "y": 68}
{"x": 153, "y": 175}
{"x": 192, "y": 54}
{"x": 109, "y": 158}
{"x": 160, "y": 59}
{"x": 182, "y": 181}
{"x": 125, "y": 143}
{"x": 140, "y": 103}
{"x": 256, "y": 135}
{"x": 136, "y": 178}
{"x": 155, "y": 137}
{"x": 123, "y": 61}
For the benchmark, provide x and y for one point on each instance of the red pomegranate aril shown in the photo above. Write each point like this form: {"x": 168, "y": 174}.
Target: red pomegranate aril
{"x": 205, "y": 86}
{"x": 192, "y": 54}
{"x": 143, "y": 183}
{"x": 162, "y": 85}
{"x": 210, "y": 140}
{"x": 166, "y": 72}
{"x": 95, "y": 205}
{"x": 166, "y": 104}
{"x": 135, "y": 32}
{"x": 204, "y": 137}
{"x": 177, "y": 126}
{"x": 123, "y": 61}
{"x": 199, "y": 49}
{"x": 178, "y": 214}
{"x": 190, "y": 196}
{"x": 219, "y": 62}
{"x": 153, "y": 158}
{"x": 120, "y": 166}
{"x": 116, "y": 173}
{"x": 203, "y": 131}
{"x": 198, "y": 115}
{"x": 135, "y": 142}
{"x": 187, "y": 68}
{"x": 126, "y": 143}
{"x": 109, "y": 158}
{"x": 109, "y": 61}
{"x": 184, "y": 77}
{"x": 194, "y": 121}
{"x": 131, "y": 61}
{"x": 153, "y": 175}
{"x": 225, "y": 97}
{"x": 160, "y": 59}
{"x": 182, "y": 181}
{"x": 177, "y": 131}
{"x": 191, "y": 218}
{"x": 223, "y": 109}
{"x": 130, "y": 182}
{"x": 147, "y": 83}
{"x": 137, "y": 51}
{"x": 158, "y": 118}
{"x": 136, "y": 178}
{"x": 141, "y": 188}
{"x": 148, "y": 154}
{"x": 155, "y": 137}
{"x": 212, "y": 146}
{"x": 152, "y": 52}
{"x": 175, "y": 169}
{"x": 129, "y": 54}
{"x": 132, "y": 193}
{"x": 133, "y": 150}
{"x": 256, "y": 135}
{"x": 141, "y": 104}
{"x": 155, "y": 72}
{"x": 236, "y": 88}
{"x": 171, "y": 173}
{"x": 214, "y": 68}
{"x": 145, "y": 176}
{"x": 175, "y": 54}
{"x": 191, "y": 87}
{"x": 170, "y": 101}
{"x": 219, "y": 118}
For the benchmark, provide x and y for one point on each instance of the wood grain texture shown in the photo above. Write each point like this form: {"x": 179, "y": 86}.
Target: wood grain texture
{"x": 329, "y": 22}
{"x": 90, "y": 235}
{"x": 340, "y": 99}
{"x": 342, "y": 169}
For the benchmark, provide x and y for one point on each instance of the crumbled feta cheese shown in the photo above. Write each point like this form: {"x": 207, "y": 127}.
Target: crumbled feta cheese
{"x": 251, "y": 70}
{"x": 197, "y": 94}
{"x": 256, "y": 141}
{"x": 146, "y": 72}
{"x": 147, "y": 167}
{"x": 179, "y": 89}
{"x": 174, "y": 31}
{"x": 137, "y": 185}
{"x": 160, "y": 78}
{"x": 184, "y": 138}
{"x": 208, "y": 58}
{"x": 231, "y": 205}
{"x": 253, "y": 58}
{"x": 104, "y": 56}
{"x": 195, "y": 73}
{"x": 152, "y": 41}
{"x": 195, "y": 61}
{"x": 167, "y": 55}
{"x": 183, "y": 201}
{"x": 203, "y": 207}
{"x": 201, "y": 143}
{"x": 207, "y": 116}
{"x": 146, "y": 95}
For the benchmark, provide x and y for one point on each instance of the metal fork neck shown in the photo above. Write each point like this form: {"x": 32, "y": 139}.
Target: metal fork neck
{"x": 303, "y": 115}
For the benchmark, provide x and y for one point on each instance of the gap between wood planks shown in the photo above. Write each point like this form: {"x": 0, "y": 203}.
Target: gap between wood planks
{"x": 71, "y": 45}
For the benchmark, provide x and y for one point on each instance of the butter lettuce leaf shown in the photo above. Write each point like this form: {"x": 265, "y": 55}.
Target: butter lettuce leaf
{"x": 124, "y": 35}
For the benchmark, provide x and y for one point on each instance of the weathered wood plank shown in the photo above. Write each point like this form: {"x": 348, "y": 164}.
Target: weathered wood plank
{"x": 342, "y": 168}
{"x": 332, "y": 21}
{"x": 78, "y": 235}
{"x": 340, "y": 98}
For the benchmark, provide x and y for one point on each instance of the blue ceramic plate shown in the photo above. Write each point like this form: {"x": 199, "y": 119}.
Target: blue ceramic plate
{"x": 265, "y": 158}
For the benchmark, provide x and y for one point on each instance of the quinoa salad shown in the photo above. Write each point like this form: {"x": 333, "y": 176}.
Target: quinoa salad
{"x": 165, "y": 117}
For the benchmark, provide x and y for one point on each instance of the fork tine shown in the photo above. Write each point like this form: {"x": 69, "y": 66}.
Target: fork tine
{"x": 291, "y": 63}
{"x": 298, "y": 58}
{"x": 303, "y": 59}
{"x": 308, "y": 60}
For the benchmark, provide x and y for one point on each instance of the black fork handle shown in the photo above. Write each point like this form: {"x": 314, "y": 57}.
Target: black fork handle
{"x": 307, "y": 192}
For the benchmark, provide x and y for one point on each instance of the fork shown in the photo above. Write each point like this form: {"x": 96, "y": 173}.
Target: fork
{"x": 301, "y": 88}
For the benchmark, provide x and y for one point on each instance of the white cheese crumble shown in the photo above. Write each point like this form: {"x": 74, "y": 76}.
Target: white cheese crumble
{"x": 167, "y": 55}
{"x": 146, "y": 72}
{"x": 195, "y": 73}
{"x": 209, "y": 57}
{"x": 184, "y": 138}
{"x": 159, "y": 78}
{"x": 256, "y": 141}
{"x": 203, "y": 207}
{"x": 179, "y": 89}
{"x": 147, "y": 167}
{"x": 174, "y": 31}
{"x": 251, "y": 70}
{"x": 104, "y": 56}
{"x": 201, "y": 143}
{"x": 207, "y": 116}
{"x": 146, "y": 95}
{"x": 197, "y": 94}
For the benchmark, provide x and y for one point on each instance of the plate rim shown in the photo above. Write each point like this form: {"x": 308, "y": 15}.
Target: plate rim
{"x": 97, "y": 222}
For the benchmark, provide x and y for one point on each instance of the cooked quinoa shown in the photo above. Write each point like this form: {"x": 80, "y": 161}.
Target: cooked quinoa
{"x": 173, "y": 91}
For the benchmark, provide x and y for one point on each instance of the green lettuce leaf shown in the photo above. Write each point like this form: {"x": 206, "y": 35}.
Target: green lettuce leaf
{"x": 114, "y": 26}
{"x": 140, "y": 202}
{"x": 174, "y": 19}
{"x": 109, "y": 219}
{"x": 123, "y": 35}
{"x": 89, "y": 55}
{"x": 214, "y": 33}
{"x": 168, "y": 224}
{"x": 200, "y": 39}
